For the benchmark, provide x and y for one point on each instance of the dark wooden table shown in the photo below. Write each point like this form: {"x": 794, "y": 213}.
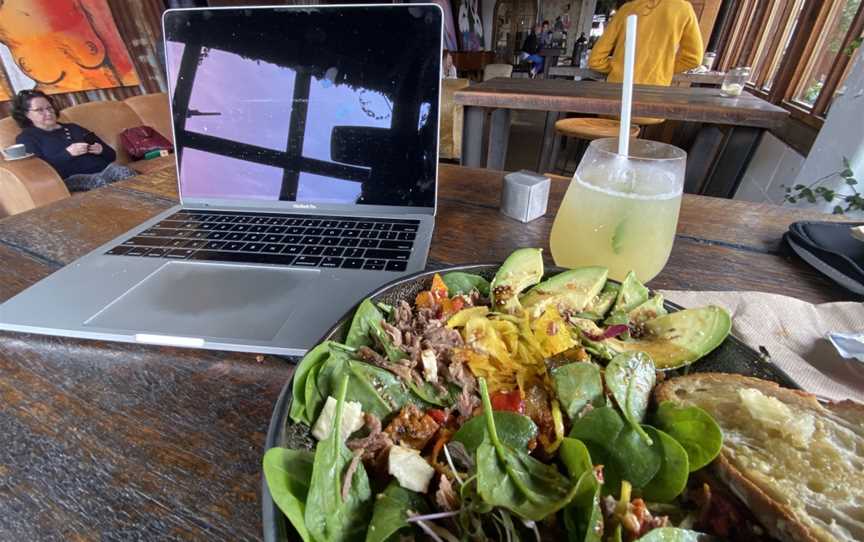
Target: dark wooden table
{"x": 110, "y": 441}
{"x": 705, "y": 78}
{"x": 715, "y": 165}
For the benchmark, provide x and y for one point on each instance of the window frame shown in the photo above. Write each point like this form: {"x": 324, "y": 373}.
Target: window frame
{"x": 747, "y": 41}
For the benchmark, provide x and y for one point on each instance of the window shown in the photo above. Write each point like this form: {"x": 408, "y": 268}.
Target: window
{"x": 800, "y": 50}
{"x": 829, "y": 46}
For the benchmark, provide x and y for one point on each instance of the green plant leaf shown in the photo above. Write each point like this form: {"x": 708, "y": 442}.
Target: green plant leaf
{"x": 462, "y": 283}
{"x": 694, "y": 429}
{"x": 618, "y": 236}
{"x": 630, "y": 376}
{"x": 313, "y": 359}
{"x": 577, "y": 384}
{"x": 514, "y": 430}
{"x": 674, "y": 534}
{"x": 838, "y": 210}
{"x": 851, "y": 181}
{"x": 612, "y": 443}
{"x": 671, "y": 479}
{"x": 583, "y": 518}
{"x": 512, "y": 479}
{"x": 391, "y": 512}
{"x": 288, "y": 474}
{"x": 366, "y": 329}
{"x": 328, "y": 516}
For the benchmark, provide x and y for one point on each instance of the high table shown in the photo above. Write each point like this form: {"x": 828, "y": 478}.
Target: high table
{"x": 116, "y": 441}
{"x": 717, "y": 160}
{"x": 704, "y": 78}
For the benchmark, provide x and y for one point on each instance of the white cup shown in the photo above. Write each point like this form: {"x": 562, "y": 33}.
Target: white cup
{"x": 15, "y": 151}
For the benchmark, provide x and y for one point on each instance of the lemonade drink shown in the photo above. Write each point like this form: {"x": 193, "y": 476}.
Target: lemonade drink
{"x": 620, "y": 216}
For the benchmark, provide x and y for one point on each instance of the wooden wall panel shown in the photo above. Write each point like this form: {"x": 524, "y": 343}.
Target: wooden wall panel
{"x": 706, "y": 12}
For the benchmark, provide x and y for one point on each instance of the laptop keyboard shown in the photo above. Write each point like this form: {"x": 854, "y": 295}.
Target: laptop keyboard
{"x": 301, "y": 240}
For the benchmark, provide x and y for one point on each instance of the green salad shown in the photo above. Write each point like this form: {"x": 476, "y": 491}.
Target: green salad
{"x": 516, "y": 409}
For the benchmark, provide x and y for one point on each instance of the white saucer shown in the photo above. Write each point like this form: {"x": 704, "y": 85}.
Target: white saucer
{"x": 28, "y": 155}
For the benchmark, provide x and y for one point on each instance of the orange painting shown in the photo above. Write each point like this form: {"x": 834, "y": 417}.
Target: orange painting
{"x": 62, "y": 46}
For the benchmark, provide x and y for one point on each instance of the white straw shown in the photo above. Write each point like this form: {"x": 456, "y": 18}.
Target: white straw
{"x": 627, "y": 86}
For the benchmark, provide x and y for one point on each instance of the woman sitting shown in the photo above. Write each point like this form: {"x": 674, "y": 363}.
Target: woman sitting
{"x": 80, "y": 157}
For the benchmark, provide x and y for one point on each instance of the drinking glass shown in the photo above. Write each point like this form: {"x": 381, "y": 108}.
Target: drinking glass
{"x": 621, "y": 213}
{"x": 734, "y": 80}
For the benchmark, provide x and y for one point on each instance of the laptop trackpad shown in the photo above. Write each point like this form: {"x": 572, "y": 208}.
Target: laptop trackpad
{"x": 195, "y": 300}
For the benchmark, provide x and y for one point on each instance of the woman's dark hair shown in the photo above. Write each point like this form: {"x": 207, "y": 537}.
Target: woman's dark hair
{"x": 21, "y": 105}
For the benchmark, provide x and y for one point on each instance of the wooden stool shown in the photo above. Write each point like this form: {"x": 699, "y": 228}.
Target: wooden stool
{"x": 584, "y": 130}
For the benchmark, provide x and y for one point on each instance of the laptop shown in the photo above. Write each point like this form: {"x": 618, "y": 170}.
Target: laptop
{"x": 306, "y": 142}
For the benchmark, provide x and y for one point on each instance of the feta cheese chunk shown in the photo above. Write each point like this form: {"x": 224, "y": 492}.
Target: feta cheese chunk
{"x": 410, "y": 469}
{"x": 352, "y": 419}
{"x": 430, "y": 365}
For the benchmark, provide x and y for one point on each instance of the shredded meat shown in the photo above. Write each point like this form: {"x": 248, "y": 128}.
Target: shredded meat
{"x": 412, "y": 427}
{"x": 394, "y": 332}
{"x": 459, "y": 374}
{"x": 349, "y": 474}
{"x": 374, "y": 358}
{"x": 446, "y": 498}
{"x": 441, "y": 339}
{"x": 375, "y": 443}
{"x": 465, "y": 405}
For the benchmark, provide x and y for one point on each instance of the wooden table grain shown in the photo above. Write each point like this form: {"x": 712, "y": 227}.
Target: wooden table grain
{"x": 732, "y": 126}
{"x": 110, "y": 441}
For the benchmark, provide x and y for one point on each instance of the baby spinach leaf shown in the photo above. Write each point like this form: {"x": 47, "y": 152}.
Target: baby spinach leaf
{"x": 391, "y": 511}
{"x": 512, "y": 479}
{"x": 575, "y": 456}
{"x": 288, "y": 473}
{"x": 514, "y": 430}
{"x": 366, "y": 329}
{"x": 673, "y": 534}
{"x": 462, "y": 283}
{"x": 430, "y": 395}
{"x": 694, "y": 429}
{"x": 328, "y": 516}
{"x": 630, "y": 376}
{"x": 313, "y": 358}
{"x": 671, "y": 478}
{"x": 582, "y": 516}
{"x": 378, "y": 391}
{"x": 577, "y": 384}
{"x": 618, "y": 447}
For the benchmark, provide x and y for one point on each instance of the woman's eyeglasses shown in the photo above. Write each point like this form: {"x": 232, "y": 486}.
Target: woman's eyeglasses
{"x": 41, "y": 110}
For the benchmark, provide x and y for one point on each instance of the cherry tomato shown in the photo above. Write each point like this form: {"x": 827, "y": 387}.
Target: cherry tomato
{"x": 511, "y": 401}
{"x": 437, "y": 414}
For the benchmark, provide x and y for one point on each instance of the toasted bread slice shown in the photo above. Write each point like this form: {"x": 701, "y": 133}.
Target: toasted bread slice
{"x": 798, "y": 465}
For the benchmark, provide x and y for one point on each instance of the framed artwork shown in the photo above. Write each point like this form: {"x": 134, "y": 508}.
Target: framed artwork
{"x": 470, "y": 25}
{"x": 450, "y": 42}
{"x": 62, "y": 46}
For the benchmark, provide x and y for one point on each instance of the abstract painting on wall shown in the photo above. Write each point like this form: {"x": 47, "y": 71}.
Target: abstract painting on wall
{"x": 470, "y": 26}
{"x": 61, "y": 46}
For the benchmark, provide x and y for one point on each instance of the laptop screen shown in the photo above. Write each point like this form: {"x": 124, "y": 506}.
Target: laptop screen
{"x": 321, "y": 105}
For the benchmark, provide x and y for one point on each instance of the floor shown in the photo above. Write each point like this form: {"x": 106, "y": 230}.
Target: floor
{"x": 526, "y": 138}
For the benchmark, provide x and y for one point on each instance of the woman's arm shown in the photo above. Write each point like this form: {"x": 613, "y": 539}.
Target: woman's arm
{"x": 79, "y": 133}
{"x": 601, "y": 55}
{"x": 690, "y": 50}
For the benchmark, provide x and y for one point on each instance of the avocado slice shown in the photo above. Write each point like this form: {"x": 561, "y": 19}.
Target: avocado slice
{"x": 570, "y": 291}
{"x": 632, "y": 294}
{"x": 520, "y": 270}
{"x": 648, "y": 311}
{"x": 600, "y": 305}
{"x": 679, "y": 338}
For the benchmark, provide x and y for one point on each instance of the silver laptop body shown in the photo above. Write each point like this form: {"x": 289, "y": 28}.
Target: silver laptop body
{"x": 323, "y": 114}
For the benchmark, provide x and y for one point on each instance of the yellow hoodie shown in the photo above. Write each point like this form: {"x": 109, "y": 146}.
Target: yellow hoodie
{"x": 668, "y": 41}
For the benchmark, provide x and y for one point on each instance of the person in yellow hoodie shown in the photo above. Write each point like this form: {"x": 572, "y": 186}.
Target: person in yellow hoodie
{"x": 668, "y": 41}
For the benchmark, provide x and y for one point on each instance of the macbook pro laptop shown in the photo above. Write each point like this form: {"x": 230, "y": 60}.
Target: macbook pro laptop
{"x": 307, "y": 146}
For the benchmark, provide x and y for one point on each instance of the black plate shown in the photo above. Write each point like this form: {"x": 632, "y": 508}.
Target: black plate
{"x": 732, "y": 356}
